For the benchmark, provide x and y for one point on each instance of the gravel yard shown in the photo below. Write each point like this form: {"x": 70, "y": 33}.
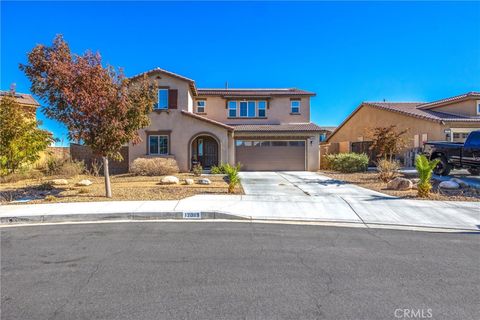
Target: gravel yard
{"x": 369, "y": 180}
{"x": 124, "y": 187}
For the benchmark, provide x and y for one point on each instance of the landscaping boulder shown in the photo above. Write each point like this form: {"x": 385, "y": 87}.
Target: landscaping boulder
{"x": 449, "y": 185}
{"x": 59, "y": 182}
{"x": 169, "y": 180}
{"x": 460, "y": 182}
{"x": 400, "y": 184}
{"x": 204, "y": 181}
{"x": 189, "y": 181}
{"x": 84, "y": 183}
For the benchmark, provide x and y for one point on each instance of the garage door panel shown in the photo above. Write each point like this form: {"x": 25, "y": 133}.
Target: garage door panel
{"x": 271, "y": 157}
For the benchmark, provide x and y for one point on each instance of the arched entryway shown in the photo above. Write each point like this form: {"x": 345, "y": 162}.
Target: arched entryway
{"x": 204, "y": 150}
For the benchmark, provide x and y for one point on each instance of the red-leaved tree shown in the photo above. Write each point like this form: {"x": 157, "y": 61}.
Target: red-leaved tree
{"x": 97, "y": 104}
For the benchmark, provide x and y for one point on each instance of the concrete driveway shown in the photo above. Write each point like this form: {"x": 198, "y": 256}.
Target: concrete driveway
{"x": 300, "y": 183}
{"x": 308, "y": 195}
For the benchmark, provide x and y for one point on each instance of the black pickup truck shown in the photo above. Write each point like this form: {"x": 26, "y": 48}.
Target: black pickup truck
{"x": 455, "y": 154}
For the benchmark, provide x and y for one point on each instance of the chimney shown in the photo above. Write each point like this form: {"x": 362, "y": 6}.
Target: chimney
{"x": 226, "y": 85}
{"x": 12, "y": 88}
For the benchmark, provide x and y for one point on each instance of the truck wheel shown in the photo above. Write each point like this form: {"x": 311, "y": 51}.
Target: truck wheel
{"x": 474, "y": 171}
{"x": 443, "y": 167}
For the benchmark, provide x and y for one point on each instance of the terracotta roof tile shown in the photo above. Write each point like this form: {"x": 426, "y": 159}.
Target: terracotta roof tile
{"x": 22, "y": 98}
{"x": 413, "y": 109}
{"x": 258, "y": 92}
{"x": 196, "y": 116}
{"x": 311, "y": 127}
{"x": 465, "y": 96}
{"x": 175, "y": 75}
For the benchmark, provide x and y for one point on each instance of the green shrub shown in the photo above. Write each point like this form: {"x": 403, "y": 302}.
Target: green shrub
{"x": 222, "y": 168}
{"x": 425, "y": 169}
{"x": 347, "y": 162}
{"x": 197, "y": 170}
{"x": 387, "y": 170}
{"x": 154, "y": 166}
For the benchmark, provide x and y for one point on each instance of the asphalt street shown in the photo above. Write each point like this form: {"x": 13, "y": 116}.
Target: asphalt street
{"x": 203, "y": 270}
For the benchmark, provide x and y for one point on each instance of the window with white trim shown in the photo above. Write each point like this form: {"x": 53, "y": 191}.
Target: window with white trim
{"x": 262, "y": 106}
{"x": 158, "y": 145}
{"x": 201, "y": 104}
{"x": 295, "y": 106}
{"x": 247, "y": 109}
{"x": 162, "y": 102}
{"x": 232, "y": 109}
{"x": 478, "y": 107}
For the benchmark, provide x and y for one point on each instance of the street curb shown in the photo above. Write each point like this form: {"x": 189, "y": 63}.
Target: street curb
{"x": 169, "y": 215}
{"x": 206, "y": 216}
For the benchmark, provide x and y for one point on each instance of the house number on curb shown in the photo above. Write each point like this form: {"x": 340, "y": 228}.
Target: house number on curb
{"x": 192, "y": 215}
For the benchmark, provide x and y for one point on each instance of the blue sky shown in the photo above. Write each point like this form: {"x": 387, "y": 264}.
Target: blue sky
{"x": 345, "y": 52}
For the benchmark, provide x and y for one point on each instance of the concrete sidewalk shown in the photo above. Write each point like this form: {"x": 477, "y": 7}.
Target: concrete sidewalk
{"x": 331, "y": 208}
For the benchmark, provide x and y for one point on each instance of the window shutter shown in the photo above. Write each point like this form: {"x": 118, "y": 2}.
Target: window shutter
{"x": 172, "y": 98}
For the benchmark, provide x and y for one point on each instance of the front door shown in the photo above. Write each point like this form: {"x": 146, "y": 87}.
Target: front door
{"x": 205, "y": 149}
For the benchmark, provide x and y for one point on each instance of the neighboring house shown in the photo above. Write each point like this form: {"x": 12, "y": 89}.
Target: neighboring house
{"x": 326, "y": 132}
{"x": 26, "y": 101}
{"x": 264, "y": 129}
{"x": 448, "y": 119}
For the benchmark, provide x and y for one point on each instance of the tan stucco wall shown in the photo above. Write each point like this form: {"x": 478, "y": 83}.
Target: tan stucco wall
{"x": 465, "y": 108}
{"x": 185, "y": 99}
{"x": 277, "y": 112}
{"x": 368, "y": 117}
{"x": 183, "y": 128}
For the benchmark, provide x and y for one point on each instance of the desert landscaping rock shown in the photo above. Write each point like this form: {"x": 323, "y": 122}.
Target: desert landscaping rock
{"x": 400, "y": 184}
{"x": 84, "y": 183}
{"x": 59, "y": 182}
{"x": 189, "y": 181}
{"x": 449, "y": 185}
{"x": 169, "y": 180}
{"x": 204, "y": 181}
{"x": 460, "y": 182}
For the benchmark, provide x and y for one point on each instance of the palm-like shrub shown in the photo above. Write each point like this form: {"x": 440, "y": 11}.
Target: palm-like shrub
{"x": 233, "y": 177}
{"x": 425, "y": 169}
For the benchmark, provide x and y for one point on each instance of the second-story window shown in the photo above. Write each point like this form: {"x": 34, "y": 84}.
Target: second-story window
{"x": 295, "y": 106}
{"x": 251, "y": 109}
{"x": 162, "y": 99}
{"x": 243, "y": 109}
{"x": 232, "y": 109}
{"x": 201, "y": 106}
{"x": 262, "y": 106}
{"x": 478, "y": 107}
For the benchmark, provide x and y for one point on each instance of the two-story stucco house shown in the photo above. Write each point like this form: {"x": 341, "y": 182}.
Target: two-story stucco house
{"x": 264, "y": 129}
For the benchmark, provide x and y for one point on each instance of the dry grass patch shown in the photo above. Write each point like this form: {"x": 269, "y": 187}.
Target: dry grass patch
{"x": 371, "y": 181}
{"x": 124, "y": 187}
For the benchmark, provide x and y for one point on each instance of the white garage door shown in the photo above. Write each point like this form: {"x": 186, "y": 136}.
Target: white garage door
{"x": 270, "y": 155}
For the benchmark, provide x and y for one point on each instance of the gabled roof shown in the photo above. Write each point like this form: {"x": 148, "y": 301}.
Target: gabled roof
{"x": 254, "y": 92}
{"x": 442, "y": 102}
{"x": 22, "y": 98}
{"x": 171, "y": 74}
{"x": 198, "y": 117}
{"x": 287, "y": 127}
{"x": 411, "y": 109}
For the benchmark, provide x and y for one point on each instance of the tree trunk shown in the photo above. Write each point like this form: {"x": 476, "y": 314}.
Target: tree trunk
{"x": 108, "y": 188}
